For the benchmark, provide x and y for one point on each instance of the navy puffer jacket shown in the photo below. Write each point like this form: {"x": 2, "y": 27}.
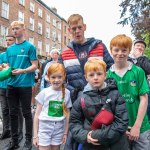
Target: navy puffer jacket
{"x": 76, "y": 56}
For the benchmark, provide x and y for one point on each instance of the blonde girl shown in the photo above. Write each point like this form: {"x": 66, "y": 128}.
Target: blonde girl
{"x": 51, "y": 118}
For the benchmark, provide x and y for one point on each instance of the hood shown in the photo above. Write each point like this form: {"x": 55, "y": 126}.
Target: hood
{"x": 110, "y": 84}
{"x": 90, "y": 44}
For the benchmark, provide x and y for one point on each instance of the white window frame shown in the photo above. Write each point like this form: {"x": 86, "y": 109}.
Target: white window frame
{"x": 39, "y": 47}
{"x": 48, "y": 32}
{"x": 54, "y": 35}
{"x": 47, "y": 48}
{"x": 31, "y": 24}
{"x": 31, "y": 6}
{"x": 21, "y": 16}
{"x": 48, "y": 18}
{"x": 39, "y": 28}
{"x": 59, "y": 38}
{"x": 59, "y": 25}
{"x": 5, "y": 10}
{"x": 22, "y": 2}
{"x": 54, "y": 22}
{"x": 40, "y": 12}
{"x": 31, "y": 40}
{"x": 3, "y": 33}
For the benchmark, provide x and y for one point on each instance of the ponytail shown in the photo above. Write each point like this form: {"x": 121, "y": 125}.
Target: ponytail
{"x": 65, "y": 110}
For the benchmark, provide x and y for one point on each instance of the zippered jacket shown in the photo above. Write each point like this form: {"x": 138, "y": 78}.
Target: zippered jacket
{"x": 83, "y": 114}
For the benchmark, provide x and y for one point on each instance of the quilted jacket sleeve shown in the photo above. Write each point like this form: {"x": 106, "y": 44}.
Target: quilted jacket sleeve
{"x": 144, "y": 63}
{"x": 77, "y": 123}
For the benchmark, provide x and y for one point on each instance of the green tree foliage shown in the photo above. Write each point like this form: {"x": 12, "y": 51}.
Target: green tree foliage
{"x": 147, "y": 52}
{"x": 137, "y": 14}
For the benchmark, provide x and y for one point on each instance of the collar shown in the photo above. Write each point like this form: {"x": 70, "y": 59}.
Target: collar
{"x": 128, "y": 68}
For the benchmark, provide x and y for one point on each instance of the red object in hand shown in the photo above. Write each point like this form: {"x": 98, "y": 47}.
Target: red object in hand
{"x": 105, "y": 117}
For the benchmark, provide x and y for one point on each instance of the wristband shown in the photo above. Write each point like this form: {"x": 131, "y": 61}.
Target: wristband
{"x": 65, "y": 134}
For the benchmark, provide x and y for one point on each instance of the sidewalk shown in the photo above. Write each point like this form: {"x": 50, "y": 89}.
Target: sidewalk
{"x": 3, "y": 143}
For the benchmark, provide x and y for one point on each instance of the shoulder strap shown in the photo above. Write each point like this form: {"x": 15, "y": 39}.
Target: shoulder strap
{"x": 82, "y": 103}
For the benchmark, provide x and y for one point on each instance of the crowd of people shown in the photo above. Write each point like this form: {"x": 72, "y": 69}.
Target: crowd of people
{"x": 85, "y": 97}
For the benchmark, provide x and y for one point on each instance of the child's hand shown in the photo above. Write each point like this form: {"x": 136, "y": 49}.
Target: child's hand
{"x": 64, "y": 139}
{"x": 91, "y": 140}
{"x": 36, "y": 142}
{"x": 134, "y": 133}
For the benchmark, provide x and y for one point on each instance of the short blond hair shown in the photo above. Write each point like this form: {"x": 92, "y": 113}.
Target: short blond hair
{"x": 94, "y": 65}
{"x": 74, "y": 18}
{"x": 16, "y": 23}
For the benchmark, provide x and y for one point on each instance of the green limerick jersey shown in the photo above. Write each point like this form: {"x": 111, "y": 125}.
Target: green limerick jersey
{"x": 131, "y": 85}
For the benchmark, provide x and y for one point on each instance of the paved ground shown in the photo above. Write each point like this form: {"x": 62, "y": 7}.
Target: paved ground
{"x": 3, "y": 143}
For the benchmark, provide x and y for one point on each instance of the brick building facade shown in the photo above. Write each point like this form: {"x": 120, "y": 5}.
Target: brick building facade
{"x": 44, "y": 27}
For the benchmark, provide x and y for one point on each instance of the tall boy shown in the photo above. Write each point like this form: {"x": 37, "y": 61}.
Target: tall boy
{"x": 133, "y": 86}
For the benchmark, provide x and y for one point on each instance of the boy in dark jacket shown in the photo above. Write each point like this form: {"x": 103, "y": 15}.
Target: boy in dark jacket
{"x": 99, "y": 117}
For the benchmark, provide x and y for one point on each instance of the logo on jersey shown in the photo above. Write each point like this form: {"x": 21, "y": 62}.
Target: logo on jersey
{"x": 83, "y": 55}
{"x": 133, "y": 83}
{"x": 108, "y": 100}
{"x": 22, "y": 50}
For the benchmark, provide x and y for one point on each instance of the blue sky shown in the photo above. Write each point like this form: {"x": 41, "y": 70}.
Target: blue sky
{"x": 100, "y": 16}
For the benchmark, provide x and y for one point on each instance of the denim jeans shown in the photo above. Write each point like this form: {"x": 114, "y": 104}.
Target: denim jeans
{"x": 5, "y": 109}
{"x": 17, "y": 95}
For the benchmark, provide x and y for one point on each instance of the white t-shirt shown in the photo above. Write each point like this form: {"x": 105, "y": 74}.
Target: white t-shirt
{"x": 47, "y": 95}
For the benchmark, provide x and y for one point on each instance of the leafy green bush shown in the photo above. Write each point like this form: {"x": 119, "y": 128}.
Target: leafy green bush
{"x": 147, "y": 52}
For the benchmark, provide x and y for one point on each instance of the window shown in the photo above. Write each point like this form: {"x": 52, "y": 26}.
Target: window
{"x": 4, "y": 30}
{"x": 65, "y": 29}
{"x": 31, "y": 40}
{"x": 39, "y": 28}
{"x": 21, "y": 16}
{"x": 48, "y": 18}
{"x": 54, "y": 22}
{"x": 3, "y": 33}
{"x": 39, "y": 48}
{"x": 32, "y": 6}
{"x": 54, "y": 35}
{"x": 59, "y": 25}
{"x": 40, "y": 12}
{"x": 65, "y": 40}
{"x": 5, "y": 10}
{"x": 59, "y": 38}
{"x": 31, "y": 24}
{"x": 22, "y": 2}
{"x": 47, "y": 48}
{"x": 48, "y": 32}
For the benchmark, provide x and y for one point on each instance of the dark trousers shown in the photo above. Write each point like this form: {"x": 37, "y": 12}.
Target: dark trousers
{"x": 5, "y": 112}
{"x": 17, "y": 95}
{"x": 5, "y": 109}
